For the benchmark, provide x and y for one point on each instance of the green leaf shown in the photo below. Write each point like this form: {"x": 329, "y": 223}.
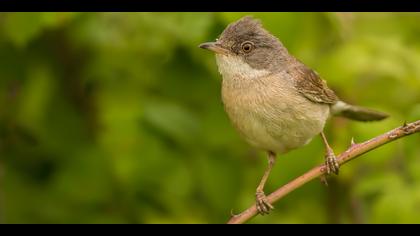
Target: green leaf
{"x": 173, "y": 121}
{"x": 22, "y": 27}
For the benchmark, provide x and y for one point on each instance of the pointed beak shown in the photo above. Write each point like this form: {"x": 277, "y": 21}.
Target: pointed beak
{"x": 215, "y": 47}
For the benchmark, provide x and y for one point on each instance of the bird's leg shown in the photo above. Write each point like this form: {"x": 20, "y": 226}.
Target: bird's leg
{"x": 263, "y": 206}
{"x": 331, "y": 163}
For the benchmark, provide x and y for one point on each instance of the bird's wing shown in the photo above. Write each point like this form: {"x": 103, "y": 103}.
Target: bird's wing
{"x": 310, "y": 85}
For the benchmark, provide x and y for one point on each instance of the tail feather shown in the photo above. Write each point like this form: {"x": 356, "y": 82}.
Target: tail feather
{"x": 357, "y": 113}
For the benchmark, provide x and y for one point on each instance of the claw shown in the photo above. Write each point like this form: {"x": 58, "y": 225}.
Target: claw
{"x": 323, "y": 179}
{"x": 331, "y": 163}
{"x": 262, "y": 204}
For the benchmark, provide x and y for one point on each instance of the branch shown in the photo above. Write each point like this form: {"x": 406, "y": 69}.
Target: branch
{"x": 351, "y": 153}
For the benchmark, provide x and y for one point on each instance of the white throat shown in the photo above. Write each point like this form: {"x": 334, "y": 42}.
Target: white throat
{"x": 231, "y": 66}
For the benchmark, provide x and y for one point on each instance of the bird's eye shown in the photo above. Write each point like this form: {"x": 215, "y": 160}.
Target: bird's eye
{"x": 247, "y": 46}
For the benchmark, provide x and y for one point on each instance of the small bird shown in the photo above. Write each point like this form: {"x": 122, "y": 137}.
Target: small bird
{"x": 274, "y": 101}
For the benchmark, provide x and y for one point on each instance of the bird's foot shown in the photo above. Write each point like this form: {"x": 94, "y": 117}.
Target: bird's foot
{"x": 331, "y": 163}
{"x": 263, "y": 206}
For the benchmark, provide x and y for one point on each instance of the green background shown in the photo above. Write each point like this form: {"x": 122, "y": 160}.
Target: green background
{"x": 117, "y": 118}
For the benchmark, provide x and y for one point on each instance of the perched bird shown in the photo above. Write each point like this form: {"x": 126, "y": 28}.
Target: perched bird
{"x": 274, "y": 101}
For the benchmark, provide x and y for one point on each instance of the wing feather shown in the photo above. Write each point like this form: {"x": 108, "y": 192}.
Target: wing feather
{"x": 310, "y": 85}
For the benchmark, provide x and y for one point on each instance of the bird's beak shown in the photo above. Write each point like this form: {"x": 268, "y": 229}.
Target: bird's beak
{"x": 215, "y": 47}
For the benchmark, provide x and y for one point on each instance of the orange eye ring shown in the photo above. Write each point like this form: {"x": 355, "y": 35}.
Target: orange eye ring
{"x": 247, "y": 46}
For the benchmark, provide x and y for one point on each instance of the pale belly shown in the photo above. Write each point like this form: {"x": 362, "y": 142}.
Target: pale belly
{"x": 273, "y": 116}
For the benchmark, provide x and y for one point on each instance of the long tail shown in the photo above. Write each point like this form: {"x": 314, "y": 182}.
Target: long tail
{"x": 356, "y": 112}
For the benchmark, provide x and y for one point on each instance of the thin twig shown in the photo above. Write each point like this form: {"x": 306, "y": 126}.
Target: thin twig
{"x": 351, "y": 153}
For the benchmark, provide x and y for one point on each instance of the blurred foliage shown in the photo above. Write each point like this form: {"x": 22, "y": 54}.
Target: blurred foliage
{"x": 117, "y": 118}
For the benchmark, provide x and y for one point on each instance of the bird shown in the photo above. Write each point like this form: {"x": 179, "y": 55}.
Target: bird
{"x": 274, "y": 101}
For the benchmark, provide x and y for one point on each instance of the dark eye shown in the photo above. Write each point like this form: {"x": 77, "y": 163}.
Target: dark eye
{"x": 247, "y": 46}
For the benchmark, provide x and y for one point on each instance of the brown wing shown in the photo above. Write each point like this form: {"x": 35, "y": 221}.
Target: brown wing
{"x": 312, "y": 86}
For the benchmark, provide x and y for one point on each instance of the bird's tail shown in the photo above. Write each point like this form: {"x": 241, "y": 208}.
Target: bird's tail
{"x": 356, "y": 112}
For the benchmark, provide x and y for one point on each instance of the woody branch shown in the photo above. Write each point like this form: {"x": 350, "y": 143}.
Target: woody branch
{"x": 355, "y": 150}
